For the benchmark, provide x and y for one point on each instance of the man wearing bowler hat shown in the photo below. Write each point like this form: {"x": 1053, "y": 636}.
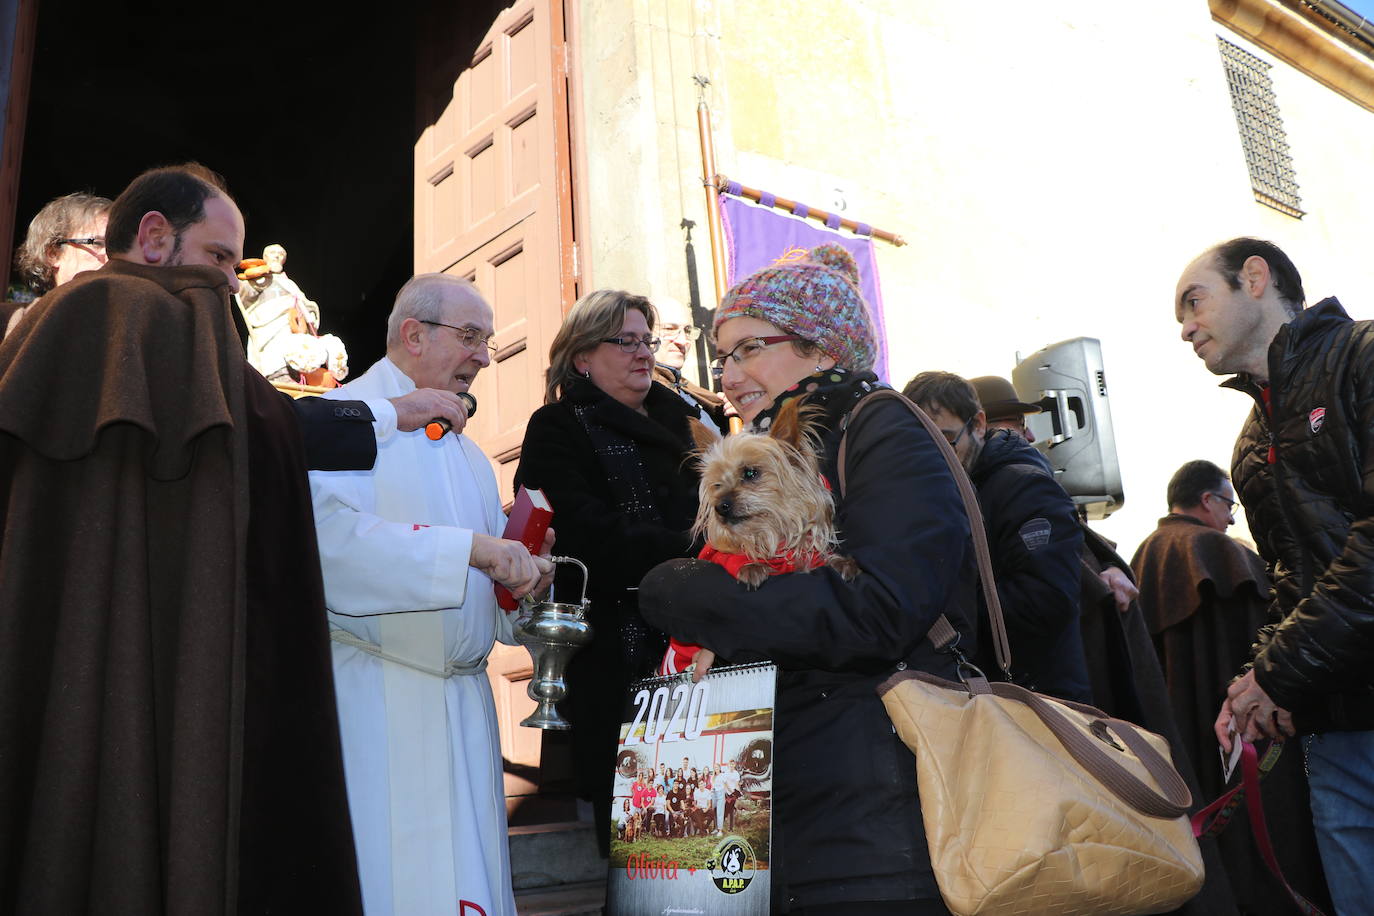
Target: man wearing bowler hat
{"x": 1004, "y": 409}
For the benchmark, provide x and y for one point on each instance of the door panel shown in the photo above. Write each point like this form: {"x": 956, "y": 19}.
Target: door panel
{"x": 506, "y": 270}
{"x": 493, "y": 204}
{"x": 490, "y": 204}
{"x": 504, "y": 129}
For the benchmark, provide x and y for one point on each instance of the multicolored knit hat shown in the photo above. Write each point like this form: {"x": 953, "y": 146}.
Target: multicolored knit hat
{"x": 817, "y": 298}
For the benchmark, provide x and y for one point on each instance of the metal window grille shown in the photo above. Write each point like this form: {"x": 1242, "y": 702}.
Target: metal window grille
{"x": 1261, "y": 129}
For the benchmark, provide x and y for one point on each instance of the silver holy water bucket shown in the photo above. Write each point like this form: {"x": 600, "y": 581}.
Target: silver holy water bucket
{"x": 553, "y": 632}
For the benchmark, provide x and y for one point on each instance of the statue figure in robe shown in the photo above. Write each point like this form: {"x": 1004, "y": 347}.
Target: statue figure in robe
{"x": 284, "y": 342}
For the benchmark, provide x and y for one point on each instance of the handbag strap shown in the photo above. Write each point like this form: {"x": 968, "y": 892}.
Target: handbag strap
{"x": 942, "y": 634}
{"x": 1173, "y": 798}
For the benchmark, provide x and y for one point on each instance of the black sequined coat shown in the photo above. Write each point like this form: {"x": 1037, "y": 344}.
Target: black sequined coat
{"x": 559, "y": 458}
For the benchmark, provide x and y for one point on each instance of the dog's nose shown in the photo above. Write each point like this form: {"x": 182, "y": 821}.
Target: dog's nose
{"x": 723, "y": 508}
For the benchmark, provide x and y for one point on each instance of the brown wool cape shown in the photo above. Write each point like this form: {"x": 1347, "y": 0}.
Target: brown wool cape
{"x": 1204, "y": 597}
{"x": 168, "y": 735}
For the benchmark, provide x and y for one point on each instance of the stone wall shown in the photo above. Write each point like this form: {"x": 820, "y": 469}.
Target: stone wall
{"x": 1052, "y": 167}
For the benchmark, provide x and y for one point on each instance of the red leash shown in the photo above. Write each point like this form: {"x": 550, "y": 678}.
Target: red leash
{"x": 1249, "y": 790}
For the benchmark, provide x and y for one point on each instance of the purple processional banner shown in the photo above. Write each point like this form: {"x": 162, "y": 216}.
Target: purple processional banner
{"x": 759, "y": 236}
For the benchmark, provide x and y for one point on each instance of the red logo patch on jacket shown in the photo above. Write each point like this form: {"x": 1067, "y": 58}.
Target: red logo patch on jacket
{"x": 1315, "y": 418}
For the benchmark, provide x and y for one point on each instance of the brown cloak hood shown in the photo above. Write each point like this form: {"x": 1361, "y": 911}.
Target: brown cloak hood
{"x": 125, "y": 445}
{"x": 1182, "y": 555}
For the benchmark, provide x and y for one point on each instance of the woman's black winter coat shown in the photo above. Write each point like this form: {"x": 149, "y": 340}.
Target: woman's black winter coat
{"x": 558, "y": 458}
{"x": 847, "y": 822}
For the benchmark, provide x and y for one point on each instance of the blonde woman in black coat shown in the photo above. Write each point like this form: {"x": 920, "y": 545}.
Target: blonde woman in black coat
{"x": 610, "y": 449}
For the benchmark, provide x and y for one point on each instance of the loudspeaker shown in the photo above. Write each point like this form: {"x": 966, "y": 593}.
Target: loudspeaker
{"x": 1074, "y": 431}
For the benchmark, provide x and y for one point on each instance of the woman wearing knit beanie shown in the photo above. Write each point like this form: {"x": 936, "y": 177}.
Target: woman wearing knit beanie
{"x": 848, "y": 836}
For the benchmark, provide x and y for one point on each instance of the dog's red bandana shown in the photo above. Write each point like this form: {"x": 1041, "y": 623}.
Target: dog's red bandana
{"x": 679, "y": 655}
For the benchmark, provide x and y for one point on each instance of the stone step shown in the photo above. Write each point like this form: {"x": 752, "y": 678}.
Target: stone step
{"x": 585, "y": 899}
{"x": 553, "y": 855}
{"x": 541, "y": 808}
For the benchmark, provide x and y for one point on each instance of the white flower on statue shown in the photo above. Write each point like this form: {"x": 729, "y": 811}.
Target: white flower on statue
{"x": 304, "y": 352}
{"x": 338, "y": 356}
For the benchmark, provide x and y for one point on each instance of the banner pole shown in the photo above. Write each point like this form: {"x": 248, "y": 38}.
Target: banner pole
{"x": 713, "y": 225}
{"x": 708, "y": 180}
{"x": 820, "y": 216}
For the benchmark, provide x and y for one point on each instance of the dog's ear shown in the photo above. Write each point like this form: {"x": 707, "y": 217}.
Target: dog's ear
{"x": 702, "y": 435}
{"x": 787, "y": 424}
{"x": 796, "y": 424}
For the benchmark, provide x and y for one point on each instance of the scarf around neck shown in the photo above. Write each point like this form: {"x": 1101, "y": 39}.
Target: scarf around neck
{"x": 835, "y": 391}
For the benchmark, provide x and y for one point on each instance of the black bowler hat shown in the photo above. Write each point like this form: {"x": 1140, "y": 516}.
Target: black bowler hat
{"x": 999, "y": 398}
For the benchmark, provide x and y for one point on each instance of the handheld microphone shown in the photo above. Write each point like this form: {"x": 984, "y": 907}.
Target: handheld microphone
{"x": 437, "y": 427}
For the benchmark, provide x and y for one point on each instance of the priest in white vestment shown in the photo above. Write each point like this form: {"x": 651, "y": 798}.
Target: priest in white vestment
{"x": 409, "y": 551}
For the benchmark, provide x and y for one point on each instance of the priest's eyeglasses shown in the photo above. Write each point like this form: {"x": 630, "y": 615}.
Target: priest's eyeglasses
{"x": 471, "y": 338}
{"x": 632, "y": 344}
{"x": 95, "y": 243}
{"x": 746, "y": 350}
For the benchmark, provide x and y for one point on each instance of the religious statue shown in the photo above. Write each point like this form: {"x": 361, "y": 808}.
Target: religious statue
{"x": 284, "y": 342}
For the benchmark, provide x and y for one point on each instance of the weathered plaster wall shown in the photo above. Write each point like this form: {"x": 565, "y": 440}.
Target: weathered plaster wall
{"x": 1052, "y": 166}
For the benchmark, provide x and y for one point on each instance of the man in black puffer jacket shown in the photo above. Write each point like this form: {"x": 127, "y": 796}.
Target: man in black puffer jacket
{"x": 1033, "y": 536}
{"x": 1304, "y": 470}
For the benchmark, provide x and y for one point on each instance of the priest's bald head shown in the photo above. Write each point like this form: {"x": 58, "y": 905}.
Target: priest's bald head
{"x": 439, "y": 332}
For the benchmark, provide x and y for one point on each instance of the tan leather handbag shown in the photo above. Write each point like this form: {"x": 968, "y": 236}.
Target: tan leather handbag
{"x": 1034, "y": 805}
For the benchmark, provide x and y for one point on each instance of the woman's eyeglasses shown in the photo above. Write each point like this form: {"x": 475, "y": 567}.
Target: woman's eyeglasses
{"x": 632, "y": 344}
{"x": 746, "y": 350}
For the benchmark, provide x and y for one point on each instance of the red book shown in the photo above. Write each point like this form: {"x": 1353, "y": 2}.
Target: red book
{"x": 529, "y": 519}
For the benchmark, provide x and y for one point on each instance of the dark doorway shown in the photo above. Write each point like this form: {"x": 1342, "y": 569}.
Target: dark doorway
{"x": 310, "y": 118}
{"x": 313, "y": 124}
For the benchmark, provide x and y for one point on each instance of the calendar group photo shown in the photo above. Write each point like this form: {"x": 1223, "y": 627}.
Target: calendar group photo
{"x": 691, "y": 807}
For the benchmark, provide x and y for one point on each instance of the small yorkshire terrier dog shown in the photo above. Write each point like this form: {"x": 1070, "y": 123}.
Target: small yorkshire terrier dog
{"x": 765, "y": 509}
{"x": 764, "y": 503}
